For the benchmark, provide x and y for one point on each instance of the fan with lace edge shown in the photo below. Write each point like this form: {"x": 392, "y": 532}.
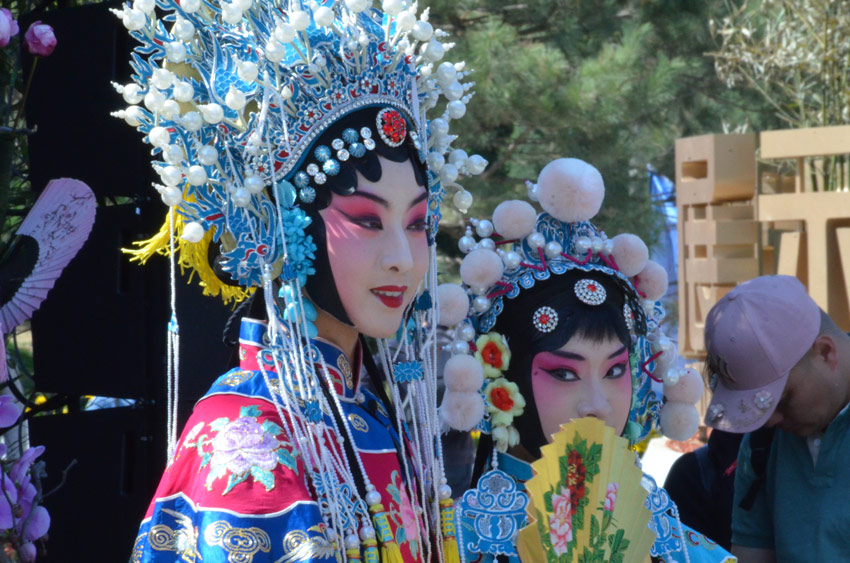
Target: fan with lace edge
{"x": 59, "y": 223}
{"x": 586, "y": 502}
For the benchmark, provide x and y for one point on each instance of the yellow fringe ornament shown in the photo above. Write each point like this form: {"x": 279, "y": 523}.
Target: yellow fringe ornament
{"x": 451, "y": 553}
{"x": 390, "y": 551}
{"x": 193, "y": 256}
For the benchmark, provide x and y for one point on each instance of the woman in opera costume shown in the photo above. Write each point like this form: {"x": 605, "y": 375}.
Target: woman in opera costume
{"x": 565, "y": 324}
{"x": 294, "y": 147}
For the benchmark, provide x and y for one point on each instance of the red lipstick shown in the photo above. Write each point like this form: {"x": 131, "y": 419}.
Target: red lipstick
{"x": 390, "y": 295}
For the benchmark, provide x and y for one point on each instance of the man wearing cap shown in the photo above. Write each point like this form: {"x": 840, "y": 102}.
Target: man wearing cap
{"x": 778, "y": 362}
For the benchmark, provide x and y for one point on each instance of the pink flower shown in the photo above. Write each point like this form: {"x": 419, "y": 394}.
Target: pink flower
{"x": 9, "y": 410}
{"x": 611, "y": 497}
{"x": 560, "y": 522}
{"x": 408, "y": 516}
{"x": 39, "y": 39}
{"x": 8, "y": 27}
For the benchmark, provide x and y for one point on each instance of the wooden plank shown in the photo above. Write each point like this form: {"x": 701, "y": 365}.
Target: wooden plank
{"x": 811, "y": 141}
{"x": 721, "y": 232}
{"x": 721, "y": 271}
{"x": 792, "y": 256}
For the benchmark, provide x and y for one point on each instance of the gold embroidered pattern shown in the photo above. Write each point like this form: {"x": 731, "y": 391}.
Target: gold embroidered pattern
{"x": 183, "y": 541}
{"x": 241, "y": 544}
{"x": 236, "y": 378}
{"x": 358, "y": 423}
{"x": 345, "y": 369}
{"x": 138, "y": 549}
{"x": 298, "y": 545}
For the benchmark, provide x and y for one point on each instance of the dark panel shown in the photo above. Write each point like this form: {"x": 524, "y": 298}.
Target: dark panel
{"x": 70, "y": 102}
{"x": 96, "y": 334}
{"x": 96, "y": 513}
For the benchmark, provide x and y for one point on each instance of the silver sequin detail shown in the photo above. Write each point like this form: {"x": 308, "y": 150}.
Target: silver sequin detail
{"x": 763, "y": 400}
{"x": 590, "y": 292}
{"x": 545, "y": 319}
{"x": 716, "y": 412}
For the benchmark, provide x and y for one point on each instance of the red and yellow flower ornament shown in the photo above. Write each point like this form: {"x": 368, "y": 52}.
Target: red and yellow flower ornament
{"x": 493, "y": 354}
{"x": 502, "y": 398}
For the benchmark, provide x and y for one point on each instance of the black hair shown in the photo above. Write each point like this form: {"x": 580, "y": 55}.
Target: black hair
{"x": 594, "y": 322}
{"x": 321, "y": 286}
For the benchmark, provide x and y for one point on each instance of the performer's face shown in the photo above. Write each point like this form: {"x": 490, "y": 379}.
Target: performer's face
{"x": 582, "y": 378}
{"x": 377, "y": 247}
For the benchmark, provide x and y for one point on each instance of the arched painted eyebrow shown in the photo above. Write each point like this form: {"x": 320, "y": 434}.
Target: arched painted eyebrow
{"x": 384, "y": 203}
{"x": 580, "y": 358}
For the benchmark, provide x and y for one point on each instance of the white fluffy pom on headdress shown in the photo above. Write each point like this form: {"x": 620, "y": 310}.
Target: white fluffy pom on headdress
{"x": 453, "y": 304}
{"x": 570, "y": 190}
{"x": 463, "y": 373}
{"x": 688, "y": 387}
{"x": 462, "y": 411}
{"x": 679, "y": 421}
{"x": 630, "y": 253}
{"x": 514, "y": 219}
{"x": 481, "y": 268}
{"x": 652, "y": 281}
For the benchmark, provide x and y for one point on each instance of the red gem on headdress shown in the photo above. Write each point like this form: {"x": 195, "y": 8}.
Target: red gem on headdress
{"x": 392, "y": 128}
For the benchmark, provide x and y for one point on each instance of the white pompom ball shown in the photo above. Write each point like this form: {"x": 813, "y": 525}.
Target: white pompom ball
{"x": 193, "y": 232}
{"x": 481, "y": 268}
{"x": 679, "y": 421}
{"x": 453, "y": 304}
{"x": 630, "y": 253}
{"x": 463, "y": 373}
{"x": 570, "y": 190}
{"x": 323, "y": 16}
{"x": 688, "y": 389}
{"x": 668, "y": 354}
{"x": 652, "y": 281}
{"x": 514, "y": 219}
{"x": 462, "y": 411}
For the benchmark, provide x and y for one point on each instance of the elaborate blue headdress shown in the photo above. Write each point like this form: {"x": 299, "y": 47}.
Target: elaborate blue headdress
{"x": 233, "y": 96}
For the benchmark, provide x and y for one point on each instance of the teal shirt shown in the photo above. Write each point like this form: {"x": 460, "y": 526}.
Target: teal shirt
{"x": 803, "y": 510}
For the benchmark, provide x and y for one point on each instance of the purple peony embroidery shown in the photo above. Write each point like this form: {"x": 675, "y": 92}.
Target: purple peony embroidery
{"x": 243, "y": 444}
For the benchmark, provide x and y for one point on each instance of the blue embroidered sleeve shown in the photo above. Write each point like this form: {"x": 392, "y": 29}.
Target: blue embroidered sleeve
{"x": 177, "y": 531}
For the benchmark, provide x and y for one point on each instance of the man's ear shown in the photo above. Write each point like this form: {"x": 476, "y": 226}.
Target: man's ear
{"x": 825, "y": 350}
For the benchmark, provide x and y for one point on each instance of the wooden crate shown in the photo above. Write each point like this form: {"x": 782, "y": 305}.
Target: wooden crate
{"x": 715, "y": 168}
{"x": 718, "y": 230}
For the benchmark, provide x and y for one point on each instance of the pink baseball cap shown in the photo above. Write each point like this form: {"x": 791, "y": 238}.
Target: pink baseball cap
{"x": 756, "y": 333}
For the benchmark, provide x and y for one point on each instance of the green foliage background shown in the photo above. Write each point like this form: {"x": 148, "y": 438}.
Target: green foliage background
{"x": 612, "y": 82}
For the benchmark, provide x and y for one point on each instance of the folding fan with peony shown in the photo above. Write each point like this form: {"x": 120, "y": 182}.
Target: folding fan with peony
{"x": 586, "y": 503}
